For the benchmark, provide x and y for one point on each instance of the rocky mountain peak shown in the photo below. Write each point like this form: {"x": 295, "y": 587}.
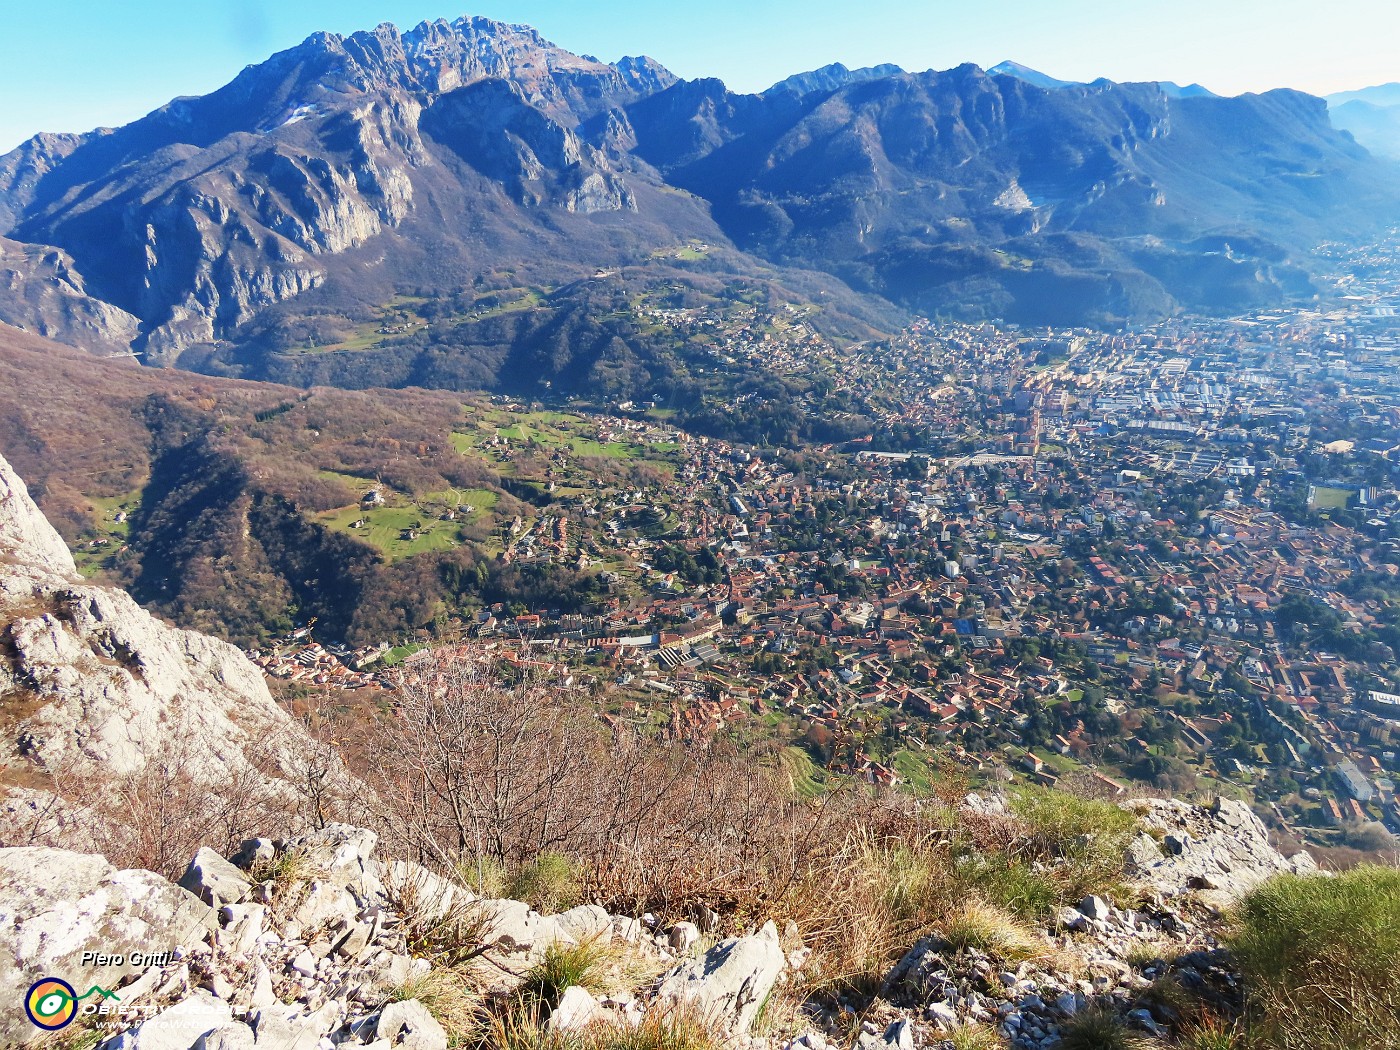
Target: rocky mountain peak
{"x": 645, "y": 73}
{"x": 438, "y": 56}
{"x": 181, "y": 228}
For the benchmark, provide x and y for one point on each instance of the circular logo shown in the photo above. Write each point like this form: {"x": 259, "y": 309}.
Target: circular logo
{"x": 51, "y": 1003}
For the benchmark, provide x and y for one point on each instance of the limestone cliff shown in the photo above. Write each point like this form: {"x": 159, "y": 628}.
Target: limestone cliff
{"x": 90, "y": 680}
{"x": 211, "y": 209}
{"x": 1222, "y": 850}
{"x": 42, "y": 290}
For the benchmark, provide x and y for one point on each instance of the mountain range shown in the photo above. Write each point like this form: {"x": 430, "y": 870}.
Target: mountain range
{"x": 459, "y": 159}
{"x": 1371, "y": 115}
{"x": 1044, "y": 80}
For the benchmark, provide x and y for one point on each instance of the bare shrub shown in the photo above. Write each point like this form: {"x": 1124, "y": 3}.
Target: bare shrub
{"x": 476, "y": 768}
{"x": 490, "y": 771}
{"x": 158, "y": 816}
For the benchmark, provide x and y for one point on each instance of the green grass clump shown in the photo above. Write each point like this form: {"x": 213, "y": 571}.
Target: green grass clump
{"x": 562, "y": 967}
{"x": 1099, "y": 1028}
{"x": 1085, "y": 838}
{"x": 1012, "y": 884}
{"x": 549, "y": 883}
{"x": 484, "y": 876}
{"x": 1171, "y": 1000}
{"x": 1321, "y": 959}
{"x": 286, "y": 869}
{"x": 1142, "y": 954}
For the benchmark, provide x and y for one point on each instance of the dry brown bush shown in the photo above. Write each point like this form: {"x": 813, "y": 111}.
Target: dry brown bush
{"x": 158, "y": 816}
{"x": 486, "y": 767}
{"x": 476, "y": 768}
{"x": 473, "y": 767}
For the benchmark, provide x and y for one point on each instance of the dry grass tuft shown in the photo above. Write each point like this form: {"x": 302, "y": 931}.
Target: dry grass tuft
{"x": 1212, "y": 1033}
{"x": 1144, "y": 953}
{"x": 674, "y": 1028}
{"x": 453, "y": 999}
{"x": 986, "y": 928}
{"x": 439, "y": 921}
{"x": 976, "y": 1037}
{"x": 1099, "y": 1028}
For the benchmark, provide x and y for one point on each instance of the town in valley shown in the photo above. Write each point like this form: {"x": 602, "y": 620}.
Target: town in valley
{"x": 1166, "y": 554}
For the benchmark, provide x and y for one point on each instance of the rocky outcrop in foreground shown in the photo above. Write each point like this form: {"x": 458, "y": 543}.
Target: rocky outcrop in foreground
{"x": 92, "y": 683}
{"x": 1222, "y": 850}
{"x": 316, "y": 942}
{"x": 313, "y": 940}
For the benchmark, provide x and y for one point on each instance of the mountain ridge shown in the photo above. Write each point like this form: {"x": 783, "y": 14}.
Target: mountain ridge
{"x": 1045, "y": 80}
{"x": 346, "y": 171}
{"x": 1371, "y": 115}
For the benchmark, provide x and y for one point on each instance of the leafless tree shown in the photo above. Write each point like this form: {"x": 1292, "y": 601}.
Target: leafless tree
{"x": 472, "y": 766}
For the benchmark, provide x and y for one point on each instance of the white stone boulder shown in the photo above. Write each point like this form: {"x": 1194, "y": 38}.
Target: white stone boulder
{"x": 57, "y": 906}
{"x": 189, "y": 1023}
{"x": 409, "y": 1025}
{"x": 729, "y": 983}
{"x": 214, "y": 880}
{"x": 577, "y": 1010}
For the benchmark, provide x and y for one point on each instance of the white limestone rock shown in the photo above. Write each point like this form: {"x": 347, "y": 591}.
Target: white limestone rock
{"x": 190, "y": 1022}
{"x": 25, "y": 534}
{"x": 409, "y": 1025}
{"x": 516, "y": 937}
{"x": 214, "y": 880}
{"x": 111, "y": 684}
{"x": 55, "y": 905}
{"x": 728, "y": 984}
{"x": 1222, "y": 849}
{"x": 577, "y": 1010}
{"x": 587, "y": 922}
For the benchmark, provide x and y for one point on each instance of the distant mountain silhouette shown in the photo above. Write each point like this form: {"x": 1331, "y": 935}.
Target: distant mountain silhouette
{"x": 829, "y": 78}
{"x": 1030, "y": 76}
{"x": 1371, "y": 115}
{"x": 1044, "y": 80}
{"x": 346, "y": 171}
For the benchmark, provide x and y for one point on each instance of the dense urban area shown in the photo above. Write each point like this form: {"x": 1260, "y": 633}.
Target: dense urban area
{"x": 1169, "y": 554}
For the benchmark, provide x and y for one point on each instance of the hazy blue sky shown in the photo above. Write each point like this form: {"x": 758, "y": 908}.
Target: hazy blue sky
{"x": 70, "y": 65}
